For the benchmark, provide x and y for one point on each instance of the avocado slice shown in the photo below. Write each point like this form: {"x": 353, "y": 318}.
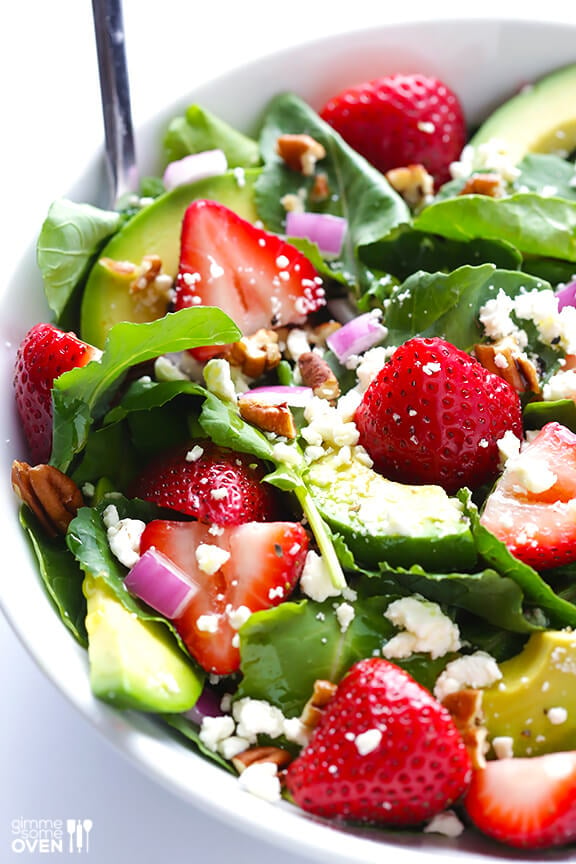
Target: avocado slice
{"x": 539, "y": 119}
{"x": 382, "y": 520}
{"x": 134, "y": 663}
{"x": 535, "y": 701}
{"x": 155, "y": 230}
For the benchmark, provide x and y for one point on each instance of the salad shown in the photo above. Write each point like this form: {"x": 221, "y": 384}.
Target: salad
{"x": 301, "y": 468}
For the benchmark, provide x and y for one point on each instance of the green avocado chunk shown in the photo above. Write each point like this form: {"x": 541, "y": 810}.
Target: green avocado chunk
{"x": 133, "y": 663}
{"x": 535, "y": 701}
{"x": 155, "y": 230}
{"x": 382, "y": 520}
{"x": 538, "y": 119}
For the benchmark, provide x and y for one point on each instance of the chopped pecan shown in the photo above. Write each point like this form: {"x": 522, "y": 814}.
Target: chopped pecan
{"x": 317, "y": 374}
{"x": 489, "y": 184}
{"x": 255, "y": 755}
{"x": 277, "y": 419}
{"x": 149, "y": 286}
{"x": 321, "y": 695}
{"x": 412, "y": 182}
{"x": 300, "y": 152}
{"x": 51, "y": 495}
{"x": 506, "y": 360}
{"x": 465, "y": 707}
{"x": 320, "y": 190}
{"x": 256, "y": 354}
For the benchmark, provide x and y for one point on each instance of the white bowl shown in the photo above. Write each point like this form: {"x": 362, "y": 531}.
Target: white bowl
{"x": 484, "y": 61}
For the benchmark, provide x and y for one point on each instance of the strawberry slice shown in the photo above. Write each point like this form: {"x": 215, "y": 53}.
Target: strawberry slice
{"x": 527, "y": 803}
{"x": 385, "y": 751}
{"x": 44, "y": 354}
{"x": 532, "y": 507}
{"x": 237, "y": 570}
{"x": 210, "y": 483}
{"x": 254, "y": 276}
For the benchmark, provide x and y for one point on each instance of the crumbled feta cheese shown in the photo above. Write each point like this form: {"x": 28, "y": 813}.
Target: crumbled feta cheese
{"x": 426, "y": 629}
{"x": 472, "y": 670}
{"x": 166, "y": 370}
{"x": 256, "y": 717}
{"x": 367, "y": 742}
{"x": 562, "y": 385}
{"x": 208, "y": 623}
{"x": 296, "y": 731}
{"x": 287, "y": 453}
{"x": 531, "y": 473}
{"x": 345, "y": 614}
{"x": 557, "y": 716}
{"x": 508, "y": 446}
{"x": 491, "y": 155}
{"x": 315, "y": 580}
{"x": 238, "y": 617}
{"x": 503, "y": 746}
{"x": 194, "y": 454}
{"x": 211, "y": 558}
{"x": 214, "y": 730}
{"x": 232, "y": 746}
{"x": 123, "y": 535}
{"x": 446, "y": 823}
{"x": 261, "y": 779}
{"x": 496, "y": 318}
{"x": 218, "y": 379}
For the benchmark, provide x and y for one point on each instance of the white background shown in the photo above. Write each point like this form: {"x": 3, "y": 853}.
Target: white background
{"x": 52, "y": 763}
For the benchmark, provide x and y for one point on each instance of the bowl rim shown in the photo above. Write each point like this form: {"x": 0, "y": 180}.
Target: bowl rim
{"x": 136, "y": 737}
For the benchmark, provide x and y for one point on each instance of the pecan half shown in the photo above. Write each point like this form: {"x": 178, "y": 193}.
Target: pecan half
{"x": 51, "y": 495}
{"x": 300, "y": 152}
{"x": 255, "y": 755}
{"x": 256, "y": 354}
{"x": 412, "y": 182}
{"x": 506, "y": 360}
{"x": 465, "y": 707}
{"x": 321, "y": 695}
{"x": 317, "y": 374}
{"x": 488, "y": 184}
{"x": 277, "y": 419}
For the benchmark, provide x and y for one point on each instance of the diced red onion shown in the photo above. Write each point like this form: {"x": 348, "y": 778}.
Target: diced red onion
{"x": 566, "y": 295}
{"x": 322, "y": 228}
{"x": 356, "y": 336}
{"x": 278, "y": 394}
{"x": 207, "y": 705}
{"x": 197, "y": 166}
{"x": 160, "y": 583}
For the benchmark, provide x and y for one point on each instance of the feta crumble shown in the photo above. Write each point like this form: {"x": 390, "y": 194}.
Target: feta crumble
{"x": 315, "y": 580}
{"x": 261, "y": 779}
{"x": 426, "y": 629}
{"x": 211, "y": 558}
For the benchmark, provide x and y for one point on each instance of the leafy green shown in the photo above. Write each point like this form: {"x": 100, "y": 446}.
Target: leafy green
{"x": 359, "y": 192}
{"x": 533, "y": 224}
{"x": 286, "y": 649}
{"x": 198, "y": 130}
{"x": 537, "y": 414}
{"x": 60, "y": 575}
{"x": 495, "y": 598}
{"x": 187, "y": 730}
{"x": 405, "y": 251}
{"x": 83, "y": 395}
{"x": 70, "y": 238}
{"x": 448, "y": 304}
{"x": 546, "y": 174}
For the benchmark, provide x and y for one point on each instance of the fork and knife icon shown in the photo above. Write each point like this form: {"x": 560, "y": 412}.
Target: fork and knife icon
{"x": 78, "y": 834}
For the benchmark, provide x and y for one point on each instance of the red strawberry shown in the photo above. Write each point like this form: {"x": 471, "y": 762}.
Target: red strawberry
{"x": 400, "y": 120}
{"x": 43, "y": 355}
{"x": 531, "y": 508}
{"x": 264, "y": 564}
{"x": 433, "y": 414}
{"x": 385, "y": 751}
{"x": 211, "y": 483}
{"x": 527, "y": 803}
{"x": 257, "y": 278}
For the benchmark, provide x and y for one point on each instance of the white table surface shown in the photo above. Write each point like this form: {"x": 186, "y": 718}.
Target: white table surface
{"x": 52, "y": 763}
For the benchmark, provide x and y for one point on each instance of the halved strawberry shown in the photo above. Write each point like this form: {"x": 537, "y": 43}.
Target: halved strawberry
{"x": 211, "y": 483}
{"x": 254, "y": 276}
{"x": 532, "y": 508}
{"x": 45, "y": 353}
{"x": 238, "y": 570}
{"x": 527, "y": 803}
